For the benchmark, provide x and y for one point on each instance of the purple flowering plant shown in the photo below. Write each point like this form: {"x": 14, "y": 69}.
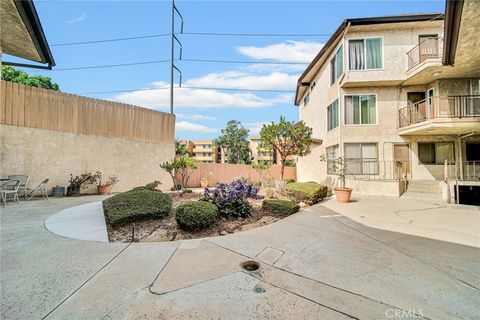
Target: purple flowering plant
{"x": 232, "y": 199}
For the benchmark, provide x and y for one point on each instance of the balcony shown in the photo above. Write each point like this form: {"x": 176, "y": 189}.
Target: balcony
{"x": 441, "y": 114}
{"x": 429, "y": 48}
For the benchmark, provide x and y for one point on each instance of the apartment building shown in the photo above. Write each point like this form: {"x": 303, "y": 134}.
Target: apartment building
{"x": 188, "y": 147}
{"x": 398, "y": 98}
{"x": 259, "y": 154}
{"x": 204, "y": 151}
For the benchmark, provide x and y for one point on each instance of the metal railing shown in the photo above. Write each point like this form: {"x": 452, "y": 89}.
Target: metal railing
{"x": 429, "y": 48}
{"x": 440, "y": 107}
{"x": 465, "y": 170}
{"x": 377, "y": 170}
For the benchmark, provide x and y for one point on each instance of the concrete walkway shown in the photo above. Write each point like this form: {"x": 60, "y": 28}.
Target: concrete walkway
{"x": 84, "y": 222}
{"x": 427, "y": 218}
{"x": 315, "y": 264}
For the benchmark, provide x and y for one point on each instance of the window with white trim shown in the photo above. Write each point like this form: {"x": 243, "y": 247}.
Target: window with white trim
{"x": 332, "y": 115}
{"x": 361, "y": 158}
{"x": 365, "y": 54}
{"x": 361, "y": 109}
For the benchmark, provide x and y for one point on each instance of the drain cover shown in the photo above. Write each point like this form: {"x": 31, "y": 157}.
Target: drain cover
{"x": 258, "y": 289}
{"x": 250, "y": 265}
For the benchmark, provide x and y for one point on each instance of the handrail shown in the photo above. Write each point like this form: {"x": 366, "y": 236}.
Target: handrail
{"x": 467, "y": 106}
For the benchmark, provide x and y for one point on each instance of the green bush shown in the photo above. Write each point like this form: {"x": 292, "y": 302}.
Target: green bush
{"x": 287, "y": 181}
{"x": 135, "y": 205}
{"x": 280, "y": 208}
{"x": 308, "y": 192}
{"x": 196, "y": 215}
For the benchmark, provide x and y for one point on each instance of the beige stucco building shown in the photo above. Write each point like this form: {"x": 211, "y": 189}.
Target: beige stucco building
{"x": 397, "y": 97}
{"x": 205, "y": 151}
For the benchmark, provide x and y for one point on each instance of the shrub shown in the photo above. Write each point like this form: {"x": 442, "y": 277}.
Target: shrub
{"x": 308, "y": 192}
{"x": 135, "y": 205}
{"x": 280, "y": 208}
{"x": 196, "y": 215}
{"x": 287, "y": 181}
{"x": 152, "y": 186}
{"x": 232, "y": 199}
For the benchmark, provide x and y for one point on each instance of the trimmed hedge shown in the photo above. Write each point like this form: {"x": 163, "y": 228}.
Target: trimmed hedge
{"x": 136, "y": 205}
{"x": 308, "y": 192}
{"x": 280, "y": 208}
{"x": 196, "y": 215}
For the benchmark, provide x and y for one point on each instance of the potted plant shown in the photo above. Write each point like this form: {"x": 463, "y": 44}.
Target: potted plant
{"x": 204, "y": 180}
{"x": 106, "y": 187}
{"x": 342, "y": 193}
{"x": 76, "y": 183}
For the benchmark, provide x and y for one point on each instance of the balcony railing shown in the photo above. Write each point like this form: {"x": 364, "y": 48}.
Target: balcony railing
{"x": 466, "y": 170}
{"x": 429, "y": 48}
{"x": 440, "y": 107}
{"x": 373, "y": 169}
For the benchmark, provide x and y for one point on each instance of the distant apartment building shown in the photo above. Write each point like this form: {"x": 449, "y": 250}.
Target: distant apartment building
{"x": 398, "y": 98}
{"x": 260, "y": 154}
{"x": 204, "y": 151}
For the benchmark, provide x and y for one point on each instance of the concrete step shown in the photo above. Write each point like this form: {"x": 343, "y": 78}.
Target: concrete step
{"x": 422, "y": 195}
{"x": 424, "y": 186}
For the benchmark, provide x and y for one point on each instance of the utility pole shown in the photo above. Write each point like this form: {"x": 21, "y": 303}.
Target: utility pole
{"x": 172, "y": 52}
{"x": 173, "y": 38}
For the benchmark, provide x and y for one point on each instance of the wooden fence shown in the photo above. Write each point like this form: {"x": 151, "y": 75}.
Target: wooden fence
{"x": 33, "y": 107}
{"x": 224, "y": 172}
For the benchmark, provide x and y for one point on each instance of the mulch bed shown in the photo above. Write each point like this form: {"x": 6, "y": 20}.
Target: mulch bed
{"x": 166, "y": 229}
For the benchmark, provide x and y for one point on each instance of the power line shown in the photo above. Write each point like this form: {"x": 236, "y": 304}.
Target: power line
{"x": 110, "y": 65}
{"x": 61, "y": 44}
{"x": 191, "y": 87}
{"x": 167, "y": 60}
{"x": 109, "y": 40}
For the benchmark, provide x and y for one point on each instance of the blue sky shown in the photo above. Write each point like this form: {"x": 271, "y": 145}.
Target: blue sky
{"x": 200, "y": 113}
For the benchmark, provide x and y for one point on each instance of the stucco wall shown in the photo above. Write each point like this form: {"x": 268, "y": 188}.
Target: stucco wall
{"x": 376, "y": 188}
{"x": 42, "y": 154}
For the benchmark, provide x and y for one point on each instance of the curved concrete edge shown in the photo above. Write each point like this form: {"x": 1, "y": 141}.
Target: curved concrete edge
{"x": 83, "y": 222}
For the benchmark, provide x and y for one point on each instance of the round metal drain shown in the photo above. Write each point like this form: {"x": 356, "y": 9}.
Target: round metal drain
{"x": 250, "y": 265}
{"x": 258, "y": 289}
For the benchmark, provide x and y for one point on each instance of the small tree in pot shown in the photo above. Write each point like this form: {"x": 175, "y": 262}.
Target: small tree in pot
{"x": 342, "y": 193}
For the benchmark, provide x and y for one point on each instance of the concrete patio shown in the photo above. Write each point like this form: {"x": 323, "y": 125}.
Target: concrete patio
{"x": 317, "y": 264}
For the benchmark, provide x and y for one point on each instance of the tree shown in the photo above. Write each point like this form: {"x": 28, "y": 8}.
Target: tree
{"x": 182, "y": 166}
{"x": 18, "y": 76}
{"x": 234, "y": 139}
{"x": 261, "y": 168}
{"x": 287, "y": 139}
{"x": 180, "y": 149}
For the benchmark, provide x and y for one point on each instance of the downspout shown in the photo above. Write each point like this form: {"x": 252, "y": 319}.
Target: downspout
{"x": 340, "y": 101}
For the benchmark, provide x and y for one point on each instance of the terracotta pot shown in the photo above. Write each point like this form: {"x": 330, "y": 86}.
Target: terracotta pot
{"x": 204, "y": 184}
{"x": 343, "y": 194}
{"x": 104, "y": 189}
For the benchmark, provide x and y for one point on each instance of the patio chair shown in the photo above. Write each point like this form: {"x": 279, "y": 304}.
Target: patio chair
{"x": 10, "y": 187}
{"x": 42, "y": 187}
{"x": 23, "y": 182}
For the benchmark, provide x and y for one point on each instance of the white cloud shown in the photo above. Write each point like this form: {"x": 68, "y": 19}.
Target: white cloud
{"x": 295, "y": 51}
{"x": 255, "y": 127}
{"x": 80, "y": 18}
{"x": 194, "y": 127}
{"x": 201, "y": 98}
{"x": 197, "y": 117}
{"x": 244, "y": 80}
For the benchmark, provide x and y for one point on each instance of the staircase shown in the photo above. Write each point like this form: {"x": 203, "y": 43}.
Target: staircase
{"x": 427, "y": 189}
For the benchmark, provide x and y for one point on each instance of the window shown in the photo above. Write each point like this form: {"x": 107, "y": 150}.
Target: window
{"x": 306, "y": 99}
{"x": 365, "y": 54}
{"x": 332, "y": 115}
{"x": 435, "y": 152}
{"x": 332, "y": 155}
{"x": 336, "y": 65}
{"x": 312, "y": 86}
{"x": 361, "y": 158}
{"x": 361, "y": 109}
